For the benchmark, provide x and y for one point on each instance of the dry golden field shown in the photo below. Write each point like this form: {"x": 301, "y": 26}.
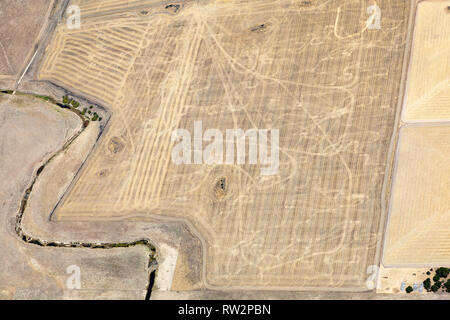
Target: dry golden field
{"x": 428, "y": 93}
{"x": 311, "y": 69}
{"x": 420, "y": 200}
{"x": 418, "y": 231}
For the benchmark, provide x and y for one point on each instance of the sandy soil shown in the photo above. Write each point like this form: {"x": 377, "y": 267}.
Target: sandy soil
{"x": 22, "y": 22}
{"x": 32, "y": 131}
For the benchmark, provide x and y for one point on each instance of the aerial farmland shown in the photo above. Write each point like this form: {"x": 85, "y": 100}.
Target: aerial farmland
{"x": 264, "y": 149}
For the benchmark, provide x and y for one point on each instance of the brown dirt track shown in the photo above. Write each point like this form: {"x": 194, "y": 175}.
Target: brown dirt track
{"x": 314, "y": 72}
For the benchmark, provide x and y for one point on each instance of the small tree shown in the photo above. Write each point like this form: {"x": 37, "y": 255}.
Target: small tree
{"x": 409, "y": 289}
{"x": 427, "y": 284}
{"x": 437, "y": 285}
{"x": 75, "y": 103}
{"x": 442, "y": 272}
{"x": 447, "y": 285}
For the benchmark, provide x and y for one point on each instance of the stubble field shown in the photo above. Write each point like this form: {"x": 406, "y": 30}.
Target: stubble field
{"x": 420, "y": 206}
{"x": 311, "y": 69}
{"x": 428, "y": 95}
{"x": 419, "y": 210}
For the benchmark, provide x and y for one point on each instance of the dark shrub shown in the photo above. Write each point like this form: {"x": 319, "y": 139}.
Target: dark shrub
{"x": 447, "y": 285}
{"x": 442, "y": 272}
{"x": 434, "y": 288}
{"x": 427, "y": 284}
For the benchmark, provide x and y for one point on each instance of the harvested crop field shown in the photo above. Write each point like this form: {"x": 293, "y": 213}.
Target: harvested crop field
{"x": 428, "y": 93}
{"x": 311, "y": 69}
{"x": 418, "y": 230}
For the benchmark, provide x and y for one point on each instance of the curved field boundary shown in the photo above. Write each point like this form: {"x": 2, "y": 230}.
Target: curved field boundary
{"x": 97, "y": 245}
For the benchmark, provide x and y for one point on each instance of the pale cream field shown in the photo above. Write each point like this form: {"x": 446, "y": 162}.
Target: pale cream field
{"x": 418, "y": 229}
{"x": 312, "y": 70}
{"x": 428, "y": 92}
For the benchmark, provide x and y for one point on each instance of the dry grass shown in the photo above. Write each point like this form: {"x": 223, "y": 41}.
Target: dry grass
{"x": 428, "y": 94}
{"x": 418, "y": 230}
{"x": 21, "y": 22}
{"x": 420, "y": 208}
{"x": 313, "y": 71}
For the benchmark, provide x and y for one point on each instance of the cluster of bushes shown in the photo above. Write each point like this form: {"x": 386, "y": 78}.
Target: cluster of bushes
{"x": 66, "y": 103}
{"x": 95, "y": 115}
{"x": 440, "y": 273}
{"x": 69, "y": 101}
{"x": 66, "y": 99}
{"x": 86, "y": 112}
{"x": 438, "y": 281}
{"x": 75, "y": 103}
